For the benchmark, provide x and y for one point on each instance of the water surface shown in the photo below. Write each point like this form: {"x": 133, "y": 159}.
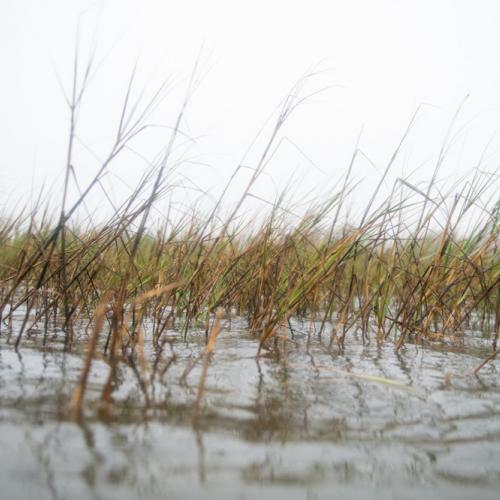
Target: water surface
{"x": 305, "y": 422}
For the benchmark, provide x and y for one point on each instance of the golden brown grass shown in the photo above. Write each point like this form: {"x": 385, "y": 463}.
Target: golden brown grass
{"x": 410, "y": 269}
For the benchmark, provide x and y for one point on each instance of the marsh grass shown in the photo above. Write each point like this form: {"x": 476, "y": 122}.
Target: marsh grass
{"x": 407, "y": 271}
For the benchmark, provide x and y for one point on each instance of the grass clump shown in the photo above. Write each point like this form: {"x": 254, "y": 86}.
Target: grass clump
{"x": 408, "y": 270}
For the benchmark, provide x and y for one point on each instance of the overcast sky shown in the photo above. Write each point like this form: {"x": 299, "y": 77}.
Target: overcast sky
{"x": 381, "y": 58}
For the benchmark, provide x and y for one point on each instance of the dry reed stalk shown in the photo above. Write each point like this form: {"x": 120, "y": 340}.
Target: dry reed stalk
{"x": 155, "y": 292}
{"x": 79, "y": 391}
{"x": 491, "y": 357}
{"x": 214, "y": 332}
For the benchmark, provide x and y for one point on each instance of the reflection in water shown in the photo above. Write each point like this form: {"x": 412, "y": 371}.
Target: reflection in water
{"x": 303, "y": 422}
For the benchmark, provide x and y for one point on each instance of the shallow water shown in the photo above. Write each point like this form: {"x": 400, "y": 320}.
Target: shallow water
{"x": 304, "y": 422}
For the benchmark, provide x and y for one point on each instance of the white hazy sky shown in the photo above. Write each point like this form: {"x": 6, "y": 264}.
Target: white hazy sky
{"x": 381, "y": 57}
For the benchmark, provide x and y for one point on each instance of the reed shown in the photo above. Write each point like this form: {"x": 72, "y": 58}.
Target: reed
{"x": 377, "y": 277}
{"x": 409, "y": 270}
